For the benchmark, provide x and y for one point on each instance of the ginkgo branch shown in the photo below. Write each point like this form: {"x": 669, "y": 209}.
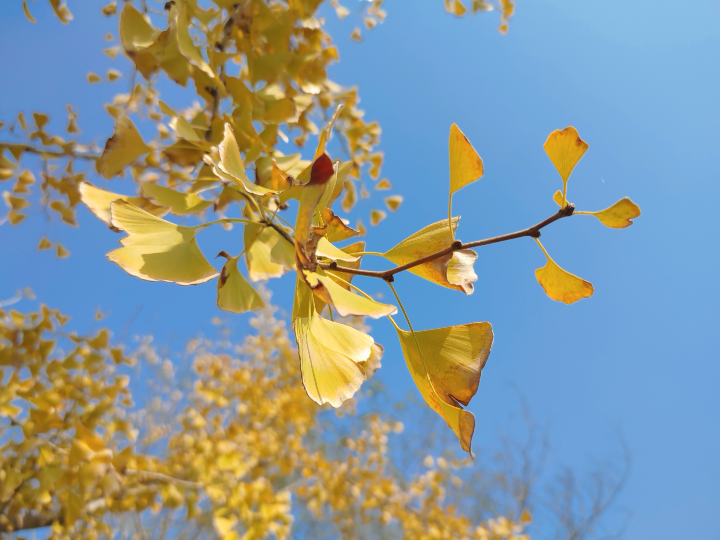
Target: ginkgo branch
{"x": 387, "y": 275}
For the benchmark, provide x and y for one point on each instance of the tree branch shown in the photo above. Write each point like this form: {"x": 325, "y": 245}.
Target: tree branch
{"x": 387, "y": 275}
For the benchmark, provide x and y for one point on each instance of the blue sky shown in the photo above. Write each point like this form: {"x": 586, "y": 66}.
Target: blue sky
{"x": 639, "y": 80}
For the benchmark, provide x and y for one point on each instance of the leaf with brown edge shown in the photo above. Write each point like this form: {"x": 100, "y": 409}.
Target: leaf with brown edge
{"x": 336, "y": 229}
{"x": 565, "y": 148}
{"x": 306, "y": 234}
{"x": 270, "y": 172}
{"x": 234, "y": 293}
{"x": 619, "y": 215}
{"x": 561, "y": 285}
{"x": 446, "y": 369}
{"x": 345, "y": 302}
{"x": 122, "y": 149}
{"x": 179, "y": 203}
{"x": 98, "y": 202}
{"x": 453, "y": 270}
{"x": 157, "y": 250}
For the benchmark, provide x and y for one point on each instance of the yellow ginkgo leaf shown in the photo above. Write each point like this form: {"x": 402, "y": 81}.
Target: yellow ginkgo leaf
{"x": 619, "y": 215}
{"x": 466, "y": 166}
{"x": 44, "y": 244}
{"x": 454, "y": 270}
{"x": 180, "y": 204}
{"x": 331, "y": 358}
{"x": 61, "y": 251}
{"x": 259, "y": 243}
{"x": 136, "y": 35}
{"x": 62, "y": 11}
{"x": 307, "y": 234}
{"x": 345, "y": 302}
{"x": 559, "y": 284}
{"x": 345, "y": 277}
{"x": 383, "y": 185}
{"x": 231, "y": 168}
{"x": 446, "y": 369}
{"x": 93, "y": 78}
{"x": 113, "y": 75}
{"x": 122, "y": 149}
{"x": 329, "y": 251}
{"x": 565, "y": 148}
{"x": 234, "y": 293}
{"x": 270, "y": 172}
{"x": 98, "y": 202}
{"x": 336, "y": 229}
{"x": 558, "y": 198}
{"x": 356, "y": 35}
{"x": 187, "y": 47}
{"x": 28, "y": 15}
{"x": 157, "y": 250}
{"x": 283, "y": 252}
{"x": 393, "y": 202}
{"x": 325, "y": 133}
{"x": 376, "y": 216}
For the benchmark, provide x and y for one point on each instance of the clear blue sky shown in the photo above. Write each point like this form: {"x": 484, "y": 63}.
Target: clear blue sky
{"x": 639, "y": 80}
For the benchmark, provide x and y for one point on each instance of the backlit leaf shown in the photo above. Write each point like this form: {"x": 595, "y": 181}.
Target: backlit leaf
{"x": 122, "y": 149}
{"x": 453, "y": 270}
{"x": 345, "y": 302}
{"x": 157, "y": 250}
{"x": 336, "y": 229}
{"x": 446, "y": 369}
{"x": 234, "y": 293}
{"x": 259, "y": 243}
{"x": 180, "y": 204}
{"x": 619, "y": 215}
{"x": 561, "y": 285}
{"x": 465, "y": 163}
{"x": 565, "y": 148}
{"x": 98, "y": 202}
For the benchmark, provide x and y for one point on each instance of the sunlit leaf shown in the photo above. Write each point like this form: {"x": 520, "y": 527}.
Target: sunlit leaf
{"x": 234, "y": 293}
{"x": 329, "y": 251}
{"x": 122, "y": 149}
{"x": 565, "y": 148}
{"x": 619, "y": 215}
{"x": 352, "y": 249}
{"x": 465, "y": 163}
{"x": 259, "y": 243}
{"x": 28, "y": 15}
{"x": 336, "y": 229}
{"x": 453, "y": 270}
{"x": 180, "y": 204}
{"x": 376, "y": 216}
{"x": 157, "y": 250}
{"x": 561, "y": 285}
{"x": 393, "y": 202}
{"x": 446, "y": 369}
{"x": 345, "y": 302}
{"x": 98, "y": 202}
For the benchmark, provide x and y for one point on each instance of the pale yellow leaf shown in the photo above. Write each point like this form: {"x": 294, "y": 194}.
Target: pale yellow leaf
{"x": 565, "y": 148}
{"x": 122, "y": 149}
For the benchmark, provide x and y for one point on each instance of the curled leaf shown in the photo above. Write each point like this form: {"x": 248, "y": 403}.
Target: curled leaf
{"x": 157, "y": 250}
{"x": 619, "y": 215}
{"x": 453, "y": 270}
{"x": 234, "y": 293}
{"x": 122, "y": 149}
{"x": 332, "y": 356}
{"x": 446, "y": 369}
{"x": 336, "y": 229}
{"x": 561, "y": 285}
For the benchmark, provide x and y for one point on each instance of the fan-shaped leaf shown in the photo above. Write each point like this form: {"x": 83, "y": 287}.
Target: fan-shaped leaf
{"x": 122, "y": 149}
{"x": 234, "y": 293}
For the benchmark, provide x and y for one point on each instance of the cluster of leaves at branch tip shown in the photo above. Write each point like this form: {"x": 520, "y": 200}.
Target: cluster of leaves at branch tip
{"x": 281, "y": 83}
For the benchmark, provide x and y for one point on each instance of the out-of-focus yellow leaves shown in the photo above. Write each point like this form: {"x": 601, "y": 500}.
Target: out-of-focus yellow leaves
{"x": 376, "y": 216}
{"x": 180, "y": 204}
{"x": 122, "y": 149}
{"x": 465, "y": 163}
{"x": 455, "y": 7}
{"x": 446, "y": 369}
{"x": 234, "y": 293}
{"x": 157, "y": 250}
{"x": 345, "y": 302}
{"x": 186, "y": 45}
{"x": 618, "y": 216}
{"x": 383, "y": 185}
{"x": 93, "y": 78}
{"x": 61, "y": 252}
{"x": 356, "y": 35}
{"x": 62, "y": 11}
{"x": 109, "y": 9}
{"x": 393, "y": 202}
{"x": 454, "y": 270}
{"x": 565, "y": 148}
{"x": 561, "y": 285}
{"x": 113, "y": 75}
{"x": 98, "y": 202}
{"x": 44, "y": 244}
{"x": 26, "y": 10}
{"x": 331, "y": 358}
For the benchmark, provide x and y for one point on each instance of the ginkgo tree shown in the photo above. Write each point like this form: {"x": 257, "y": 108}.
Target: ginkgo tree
{"x": 260, "y": 68}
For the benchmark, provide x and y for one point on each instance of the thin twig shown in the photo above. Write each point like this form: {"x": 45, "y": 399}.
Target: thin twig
{"x": 387, "y": 275}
